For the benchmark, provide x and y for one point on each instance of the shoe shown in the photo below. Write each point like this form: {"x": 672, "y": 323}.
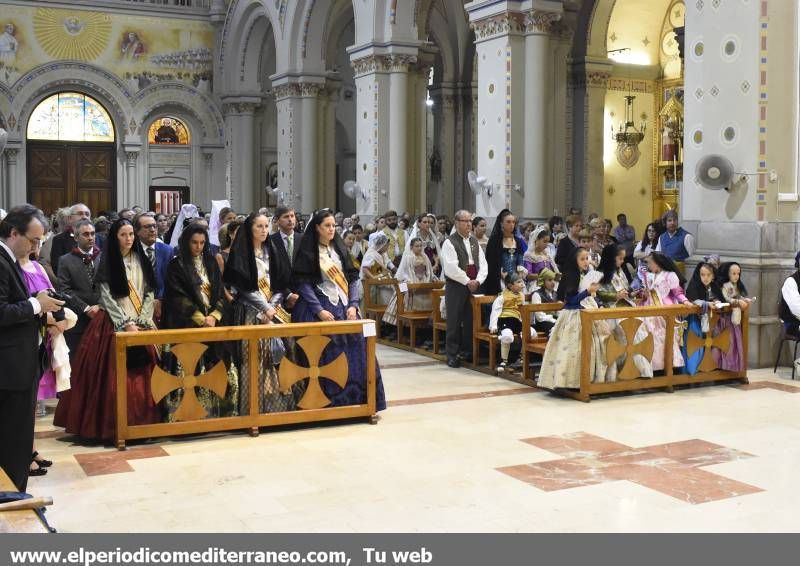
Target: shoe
{"x": 453, "y": 362}
{"x": 502, "y": 368}
{"x": 39, "y": 471}
{"x": 41, "y": 462}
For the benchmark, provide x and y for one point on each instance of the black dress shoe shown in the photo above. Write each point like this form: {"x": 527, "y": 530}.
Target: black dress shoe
{"x": 41, "y": 461}
{"x": 39, "y": 471}
{"x": 453, "y": 362}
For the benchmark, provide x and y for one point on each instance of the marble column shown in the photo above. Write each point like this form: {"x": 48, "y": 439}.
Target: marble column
{"x": 329, "y": 188}
{"x": 416, "y": 201}
{"x": 500, "y": 51}
{"x": 445, "y": 105}
{"x": 239, "y": 115}
{"x": 590, "y": 79}
{"x": 399, "y": 132}
{"x": 537, "y": 109}
{"x": 11, "y": 175}
{"x": 298, "y": 128}
{"x": 130, "y": 196}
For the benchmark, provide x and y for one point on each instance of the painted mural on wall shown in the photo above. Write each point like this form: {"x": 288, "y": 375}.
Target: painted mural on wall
{"x": 141, "y": 50}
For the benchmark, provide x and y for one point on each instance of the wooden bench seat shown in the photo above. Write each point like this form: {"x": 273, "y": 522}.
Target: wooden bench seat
{"x": 413, "y": 318}
{"x": 372, "y": 309}
{"x": 439, "y": 324}
{"x": 533, "y": 345}
{"x": 18, "y": 521}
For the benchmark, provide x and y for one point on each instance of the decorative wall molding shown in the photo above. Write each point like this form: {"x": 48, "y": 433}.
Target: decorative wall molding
{"x": 631, "y": 85}
{"x": 384, "y": 64}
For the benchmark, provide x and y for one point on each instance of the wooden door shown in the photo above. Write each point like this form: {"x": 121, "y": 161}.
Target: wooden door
{"x": 60, "y": 174}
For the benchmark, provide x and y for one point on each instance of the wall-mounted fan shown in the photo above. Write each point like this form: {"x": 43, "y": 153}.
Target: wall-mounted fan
{"x": 354, "y": 191}
{"x": 478, "y": 184}
{"x": 3, "y": 139}
{"x": 716, "y": 172}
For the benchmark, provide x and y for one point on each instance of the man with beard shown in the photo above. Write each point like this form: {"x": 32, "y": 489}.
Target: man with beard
{"x": 397, "y": 238}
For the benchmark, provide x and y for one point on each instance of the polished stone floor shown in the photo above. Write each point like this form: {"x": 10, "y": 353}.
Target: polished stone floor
{"x": 458, "y": 451}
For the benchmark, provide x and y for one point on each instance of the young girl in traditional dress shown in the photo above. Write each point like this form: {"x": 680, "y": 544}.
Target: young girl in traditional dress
{"x": 424, "y": 230}
{"x": 545, "y": 294}
{"x": 704, "y": 292}
{"x": 376, "y": 265}
{"x": 561, "y": 365}
{"x": 537, "y": 257}
{"x": 415, "y": 267}
{"x": 507, "y": 320}
{"x": 663, "y": 286}
{"x": 735, "y": 293}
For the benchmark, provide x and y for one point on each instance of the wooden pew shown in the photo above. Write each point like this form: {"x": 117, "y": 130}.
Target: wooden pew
{"x": 532, "y": 345}
{"x": 372, "y": 309}
{"x": 628, "y": 378}
{"x": 439, "y": 323}
{"x": 413, "y": 318}
{"x": 18, "y": 521}
{"x": 480, "y": 330}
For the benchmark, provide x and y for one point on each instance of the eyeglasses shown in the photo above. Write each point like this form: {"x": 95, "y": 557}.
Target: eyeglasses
{"x": 35, "y": 242}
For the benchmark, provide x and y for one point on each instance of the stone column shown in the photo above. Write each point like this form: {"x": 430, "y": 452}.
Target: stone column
{"x": 445, "y": 110}
{"x": 420, "y": 150}
{"x": 208, "y": 162}
{"x": 298, "y": 121}
{"x": 372, "y": 132}
{"x": 399, "y": 130}
{"x": 500, "y": 51}
{"x": 11, "y": 175}
{"x": 538, "y": 102}
{"x": 131, "y": 158}
{"x": 329, "y": 188}
{"x": 590, "y": 78}
{"x": 239, "y": 116}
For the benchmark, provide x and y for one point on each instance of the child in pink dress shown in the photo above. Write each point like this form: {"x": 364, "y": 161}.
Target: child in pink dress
{"x": 664, "y": 286}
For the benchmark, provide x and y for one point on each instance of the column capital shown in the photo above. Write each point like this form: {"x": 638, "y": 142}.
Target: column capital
{"x": 238, "y": 105}
{"x": 11, "y": 154}
{"x": 589, "y": 73}
{"x": 541, "y": 22}
{"x": 131, "y": 156}
{"x": 397, "y": 63}
{"x": 297, "y": 90}
{"x": 498, "y": 25}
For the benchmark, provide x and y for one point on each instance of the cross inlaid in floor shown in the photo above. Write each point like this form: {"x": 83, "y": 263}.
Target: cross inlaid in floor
{"x": 672, "y": 469}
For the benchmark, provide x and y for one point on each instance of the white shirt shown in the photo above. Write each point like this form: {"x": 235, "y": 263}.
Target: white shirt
{"x": 37, "y": 308}
{"x": 792, "y": 296}
{"x": 450, "y": 262}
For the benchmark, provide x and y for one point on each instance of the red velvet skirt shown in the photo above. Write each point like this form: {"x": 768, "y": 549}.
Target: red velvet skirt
{"x": 89, "y": 408}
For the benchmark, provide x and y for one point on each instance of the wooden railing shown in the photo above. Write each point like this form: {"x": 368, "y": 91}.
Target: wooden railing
{"x": 629, "y": 377}
{"x": 374, "y": 309}
{"x": 312, "y": 339}
{"x": 413, "y": 317}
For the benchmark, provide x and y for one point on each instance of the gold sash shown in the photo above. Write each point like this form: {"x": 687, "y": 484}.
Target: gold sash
{"x": 205, "y": 289}
{"x": 335, "y": 274}
{"x": 280, "y": 312}
{"x": 136, "y": 300}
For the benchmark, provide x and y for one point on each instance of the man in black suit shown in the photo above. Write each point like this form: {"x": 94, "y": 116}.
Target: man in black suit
{"x": 76, "y": 279}
{"x": 286, "y": 241}
{"x": 21, "y": 233}
{"x": 65, "y": 241}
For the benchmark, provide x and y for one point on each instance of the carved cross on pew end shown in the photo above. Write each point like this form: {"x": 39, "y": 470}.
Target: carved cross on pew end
{"x": 615, "y": 349}
{"x": 722, "y": 341}
{"x": 290, "y": 373}
{"x": 163, "y": 383}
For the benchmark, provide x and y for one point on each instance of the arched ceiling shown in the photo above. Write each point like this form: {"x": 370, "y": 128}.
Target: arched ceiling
{"x": 637, "y": 26}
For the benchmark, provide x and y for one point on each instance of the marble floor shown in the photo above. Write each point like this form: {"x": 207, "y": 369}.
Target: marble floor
{"x": 458, "y": 451}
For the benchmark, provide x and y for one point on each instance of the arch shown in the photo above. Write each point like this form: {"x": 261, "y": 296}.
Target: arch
{"x": 246, "y": 25}
{"x": 180, "y": 98}
{"x": 60, "y": 76}
{"x": 168, "y": 129}
{"x": 591, "y": 31}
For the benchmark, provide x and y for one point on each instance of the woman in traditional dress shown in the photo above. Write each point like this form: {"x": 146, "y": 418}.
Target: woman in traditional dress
{"x": 258, "y": 283}
{"x": 537, "y": 257}
{"x": 376, "y": 266}
{"x": 663, "y": 286}
{"x": 642, "y": 250}
{"x": 561, "y": 364}
{"x": 735, "y": 293}
{"x": 415, "y": 267}
{"x": 424, "y": 230}
{"x": 194, "y": 298}
{"x": 703, "y": 290}
{"x": 504, "y": 252}
{"x": 326, "y": 281}
{"x": 127, "y": 284}
{"x": 479, "y": 231}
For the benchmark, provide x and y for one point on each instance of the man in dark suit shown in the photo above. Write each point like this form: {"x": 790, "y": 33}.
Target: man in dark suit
{"x": 157, "y": 252}
{"x": 286, "y": 241}
{"x": 76, "y": 275}
{"x": 21, "y": 233}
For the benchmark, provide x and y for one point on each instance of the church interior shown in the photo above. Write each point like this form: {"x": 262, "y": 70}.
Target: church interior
{"x": 547, "y": 108}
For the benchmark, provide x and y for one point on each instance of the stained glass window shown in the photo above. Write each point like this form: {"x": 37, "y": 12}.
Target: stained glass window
{"x": 70, "y": 116}
{"x": 168, "y": 130}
